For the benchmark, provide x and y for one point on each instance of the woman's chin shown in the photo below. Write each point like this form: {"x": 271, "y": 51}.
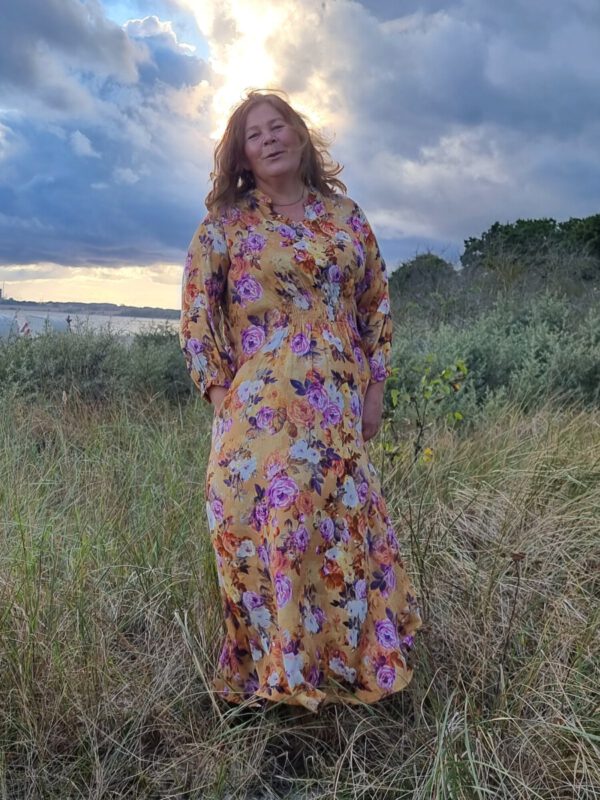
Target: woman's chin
{"x": 279, "y": 170}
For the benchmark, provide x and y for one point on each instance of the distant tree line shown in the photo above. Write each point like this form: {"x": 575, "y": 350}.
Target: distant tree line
{"x": 522, "y": 257}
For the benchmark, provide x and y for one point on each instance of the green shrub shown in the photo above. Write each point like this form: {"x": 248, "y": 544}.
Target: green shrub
{"x": 529, "y": 350}
{"x": 94, "y": 366}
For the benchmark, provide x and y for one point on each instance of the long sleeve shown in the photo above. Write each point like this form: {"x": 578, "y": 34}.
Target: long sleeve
{"x": 202, "y": 331}
{"x": 372, "y": 296}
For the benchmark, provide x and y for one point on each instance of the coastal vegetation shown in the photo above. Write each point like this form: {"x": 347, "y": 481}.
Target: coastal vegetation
{"x": 490, "y": 461}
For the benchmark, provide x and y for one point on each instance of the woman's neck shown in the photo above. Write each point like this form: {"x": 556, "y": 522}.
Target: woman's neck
{"x": 285, "y": 191}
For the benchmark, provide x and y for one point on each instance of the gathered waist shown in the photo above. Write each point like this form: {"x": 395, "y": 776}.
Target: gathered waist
{"x": 276, "y": 319}
{"x": 271, "y": 332}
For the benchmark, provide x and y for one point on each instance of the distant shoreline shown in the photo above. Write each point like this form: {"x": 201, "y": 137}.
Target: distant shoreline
{"x": 104, "y": 309}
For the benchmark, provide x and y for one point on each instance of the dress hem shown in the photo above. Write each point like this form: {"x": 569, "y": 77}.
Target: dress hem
{"x": 312, "y": 701}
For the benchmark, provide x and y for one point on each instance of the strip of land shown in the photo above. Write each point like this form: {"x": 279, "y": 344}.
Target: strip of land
{"x": 108, "y": 309}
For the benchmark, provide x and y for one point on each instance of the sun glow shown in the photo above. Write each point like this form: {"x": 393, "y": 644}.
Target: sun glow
{"x": 239, "y": 33}
{"x": 151, "y": 285}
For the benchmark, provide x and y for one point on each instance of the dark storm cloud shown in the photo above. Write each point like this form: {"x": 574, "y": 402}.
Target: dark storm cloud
{"x": 529, "y": 65}
{"x": 42, "y": 42}
{"x": 451, "y": 115}
{"x": 70, "y": 208}
{"x": 95, "y": 139}
{"x": 391, "y": 9}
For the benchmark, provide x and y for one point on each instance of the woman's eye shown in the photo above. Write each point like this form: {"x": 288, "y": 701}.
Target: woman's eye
{"x": 253, "y": 136}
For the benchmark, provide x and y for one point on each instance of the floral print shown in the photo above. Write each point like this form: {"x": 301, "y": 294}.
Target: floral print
{"x": 293, "y": 318}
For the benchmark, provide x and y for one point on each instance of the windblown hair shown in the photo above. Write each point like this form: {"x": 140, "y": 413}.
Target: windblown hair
{"x": 231, "y": 180}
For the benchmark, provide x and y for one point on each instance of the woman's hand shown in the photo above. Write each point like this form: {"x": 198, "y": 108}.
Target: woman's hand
{"x": 372, "y": 410}
{"x": 216, "y": 395}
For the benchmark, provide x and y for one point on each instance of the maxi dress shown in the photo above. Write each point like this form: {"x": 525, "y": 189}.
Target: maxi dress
{"x": 293, "y": 318}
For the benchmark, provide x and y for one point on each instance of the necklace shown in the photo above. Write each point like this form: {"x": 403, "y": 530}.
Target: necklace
{"x": 283, "y": 205}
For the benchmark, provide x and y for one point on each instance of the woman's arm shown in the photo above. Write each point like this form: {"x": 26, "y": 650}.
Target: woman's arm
{"x": 206, "y": 348}
{"x": 374, "y": 322}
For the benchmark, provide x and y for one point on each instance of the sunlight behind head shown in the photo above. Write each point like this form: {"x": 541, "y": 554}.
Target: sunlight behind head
{"x": 244, "y": 60}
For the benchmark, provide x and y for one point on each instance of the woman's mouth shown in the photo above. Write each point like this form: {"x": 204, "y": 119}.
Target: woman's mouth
{"x": 273, "y": 155}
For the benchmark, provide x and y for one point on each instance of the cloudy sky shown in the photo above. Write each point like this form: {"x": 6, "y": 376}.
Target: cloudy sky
{"x": 447, "y": 114}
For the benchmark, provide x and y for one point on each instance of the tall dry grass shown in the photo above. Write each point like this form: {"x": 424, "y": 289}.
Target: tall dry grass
{"x": 110, "y": 620}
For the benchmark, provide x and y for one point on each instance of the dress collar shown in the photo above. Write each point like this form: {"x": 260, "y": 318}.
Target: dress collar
{"x": 314, "y": 204}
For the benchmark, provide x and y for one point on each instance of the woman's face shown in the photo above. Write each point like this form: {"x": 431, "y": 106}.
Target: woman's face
{"x": 272, "y": 147}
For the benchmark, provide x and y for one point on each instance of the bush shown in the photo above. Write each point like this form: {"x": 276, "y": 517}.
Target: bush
{"x": 95, "y": 366}
{"x": 529, "y": 350}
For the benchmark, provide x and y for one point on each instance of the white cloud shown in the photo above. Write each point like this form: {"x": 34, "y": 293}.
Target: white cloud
{"x": 81, "y": 145}
{"x": 125, "y": 175}
{"x": 152, "y": 26}
{"x": 6, "y": 141}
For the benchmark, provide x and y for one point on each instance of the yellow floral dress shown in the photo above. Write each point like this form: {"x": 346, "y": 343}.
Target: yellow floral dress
{"x": 293, "y": 318}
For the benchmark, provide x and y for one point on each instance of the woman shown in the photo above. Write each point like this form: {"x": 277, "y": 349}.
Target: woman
{"x": 286, "y": 330}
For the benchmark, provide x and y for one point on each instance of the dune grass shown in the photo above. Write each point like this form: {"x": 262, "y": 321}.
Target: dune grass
{"x": 111, "y": 623}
